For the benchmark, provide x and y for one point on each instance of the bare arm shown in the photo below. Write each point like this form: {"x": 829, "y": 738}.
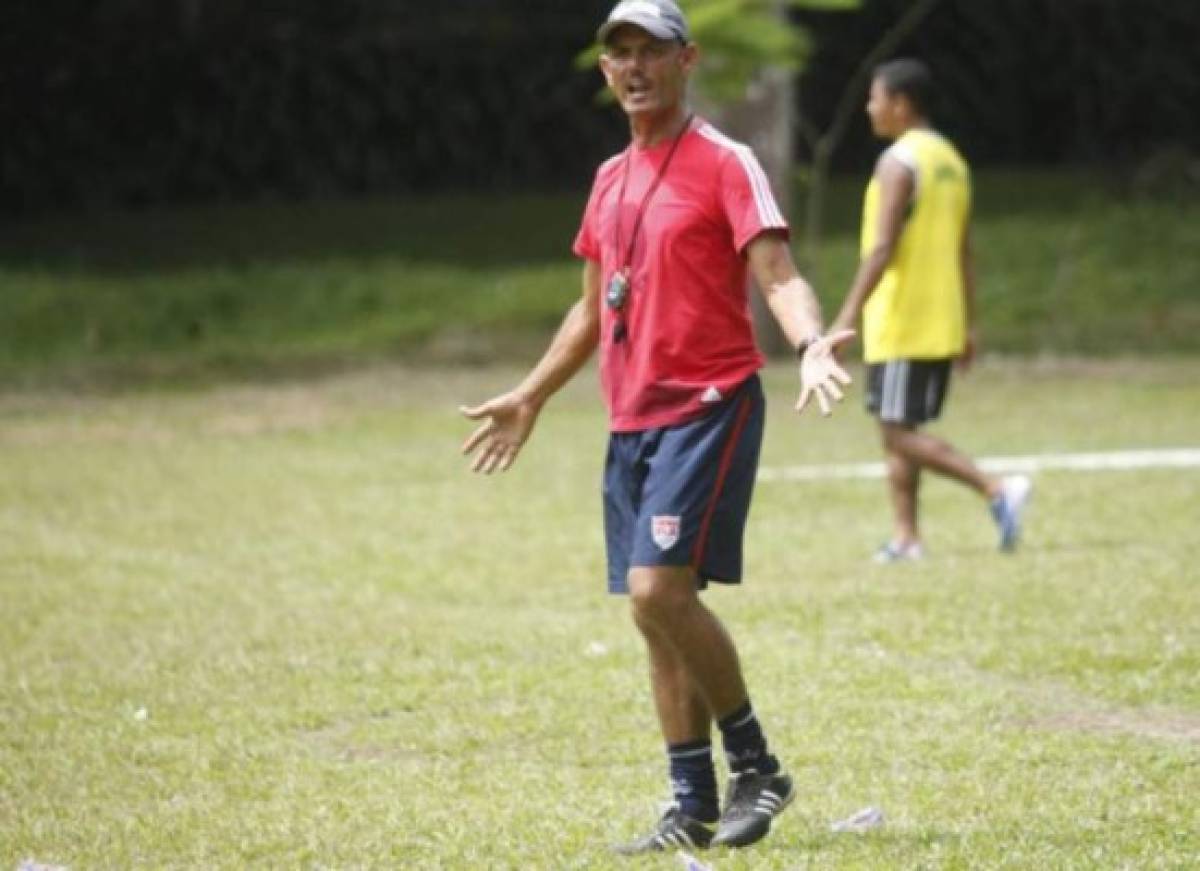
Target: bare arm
{"x": 789, "y": 297}
{"x": 896, "y": 189}
{"x": 572, "y": 345}
{"x": 796, "y": 308}
{"x": 510, "y": 417}
{"x": 967, "y": 264}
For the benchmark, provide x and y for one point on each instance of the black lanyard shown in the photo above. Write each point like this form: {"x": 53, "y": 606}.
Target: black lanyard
{"x": 641, "y": 212}
{"x": 618, "y": 289}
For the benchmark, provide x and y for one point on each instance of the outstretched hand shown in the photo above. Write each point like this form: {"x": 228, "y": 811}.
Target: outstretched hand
{"x": 508, "y": 420}
{"x": 820, "y": 372}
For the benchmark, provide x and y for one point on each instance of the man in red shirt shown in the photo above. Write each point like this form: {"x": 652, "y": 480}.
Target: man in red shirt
{"x": 674, "y": 226}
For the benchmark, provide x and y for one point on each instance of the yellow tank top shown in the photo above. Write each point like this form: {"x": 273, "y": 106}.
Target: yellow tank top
{"x": 917, "y": 310}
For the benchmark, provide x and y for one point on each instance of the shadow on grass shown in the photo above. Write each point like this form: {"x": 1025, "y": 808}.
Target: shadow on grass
{"x": 455, "y": 229}
{"x": 197, "y": 372}
{"x": 1080, "y": 545}
{"x": 279, "y": 291}
{"x": 465, "y": 231}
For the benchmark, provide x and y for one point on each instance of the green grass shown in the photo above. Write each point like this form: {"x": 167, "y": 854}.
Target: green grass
{"x": 280, "y": 626}
{"x": 243, "y": 289}
{"x": 1069, "y": 264}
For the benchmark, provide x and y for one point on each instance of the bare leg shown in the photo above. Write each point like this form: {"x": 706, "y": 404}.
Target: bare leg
{"x": 697, "y": 679}
{"x": 904, "y": 482}
{"x": 930, "y": 452}
{"x": 682, "y": 712}
{"x": 693, "y": 663}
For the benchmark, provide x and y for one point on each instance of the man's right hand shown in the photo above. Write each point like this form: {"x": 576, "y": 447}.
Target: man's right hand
{"x": 508, "y": 420}
{"x": 970, "y": 351}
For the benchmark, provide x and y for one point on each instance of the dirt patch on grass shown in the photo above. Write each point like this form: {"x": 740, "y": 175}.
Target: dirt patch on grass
{"x": 1168, "y": 725}
{"x": 1062, "y": 708}
{"x": 261, "y": 410}
{"x": 341, "y": 741}
{"x": 250, "y": 409}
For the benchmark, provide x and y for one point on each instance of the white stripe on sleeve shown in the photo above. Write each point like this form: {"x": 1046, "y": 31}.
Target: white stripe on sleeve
{"x": 769, "y": 214}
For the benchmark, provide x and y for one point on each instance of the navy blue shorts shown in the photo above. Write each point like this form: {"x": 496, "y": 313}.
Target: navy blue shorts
{"x": 680, "y": 495}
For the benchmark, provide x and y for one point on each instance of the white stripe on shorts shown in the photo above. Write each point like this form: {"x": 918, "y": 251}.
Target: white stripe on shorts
{"x": 895, "y": 388}
{"x": 885, "y": 395}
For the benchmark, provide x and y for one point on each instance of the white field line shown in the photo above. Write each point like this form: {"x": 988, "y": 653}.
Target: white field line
{"x": 1172, "y": 458}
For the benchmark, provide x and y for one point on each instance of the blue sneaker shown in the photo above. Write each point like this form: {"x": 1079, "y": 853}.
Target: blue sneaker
{"x": 1007, "y": 508}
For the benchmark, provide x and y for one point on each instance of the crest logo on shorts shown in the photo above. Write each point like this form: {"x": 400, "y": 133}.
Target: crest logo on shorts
{"x": 664, "y": 529}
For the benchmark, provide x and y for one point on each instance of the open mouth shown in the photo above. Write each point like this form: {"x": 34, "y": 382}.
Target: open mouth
{"x": 637, "y": 90}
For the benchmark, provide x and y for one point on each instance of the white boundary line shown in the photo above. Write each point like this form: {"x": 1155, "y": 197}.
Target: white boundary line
{"x": 1171, "y": 458}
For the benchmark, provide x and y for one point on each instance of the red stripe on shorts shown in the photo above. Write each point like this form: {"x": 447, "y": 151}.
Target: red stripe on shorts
{"x": 722, "y": 473}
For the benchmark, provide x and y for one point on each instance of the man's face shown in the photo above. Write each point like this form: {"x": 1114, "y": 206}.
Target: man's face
{"x": 647, "y": 75}
{"x": 884, "y": 109}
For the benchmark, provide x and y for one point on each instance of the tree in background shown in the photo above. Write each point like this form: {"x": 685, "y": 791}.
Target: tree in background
{"x": 138, "y": 102}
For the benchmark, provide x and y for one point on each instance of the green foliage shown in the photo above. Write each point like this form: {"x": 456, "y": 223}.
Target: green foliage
{"x": 740, "y": 38}
{"x": 282, "y": 627}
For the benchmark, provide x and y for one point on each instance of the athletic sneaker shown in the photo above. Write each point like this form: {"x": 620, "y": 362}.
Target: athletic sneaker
{"x": 1007, "y": 508}
{"x": 899, "y": 553}
{"x": 675, "y": 830}
{"x": 751, "y": 802}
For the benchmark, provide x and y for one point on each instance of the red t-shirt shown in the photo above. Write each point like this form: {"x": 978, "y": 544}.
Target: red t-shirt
{"x": 689, "y": 336}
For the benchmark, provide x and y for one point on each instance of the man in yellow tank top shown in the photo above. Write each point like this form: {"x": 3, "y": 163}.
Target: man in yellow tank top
{"x": 915, "y": 290}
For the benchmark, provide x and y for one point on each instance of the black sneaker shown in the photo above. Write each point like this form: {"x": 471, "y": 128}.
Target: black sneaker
{"x": 675, "y": 829}
{"x": 751, "y": 802}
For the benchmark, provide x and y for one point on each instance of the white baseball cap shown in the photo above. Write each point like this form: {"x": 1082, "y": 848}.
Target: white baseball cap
{"x": 659, "y": 18}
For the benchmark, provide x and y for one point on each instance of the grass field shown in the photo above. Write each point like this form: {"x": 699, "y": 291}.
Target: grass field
{"x": 280, "y": 626}
{"x": 1069, "y": 263}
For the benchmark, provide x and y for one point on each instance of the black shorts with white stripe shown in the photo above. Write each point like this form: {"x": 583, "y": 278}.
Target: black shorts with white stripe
{"x": 907, "y": 391}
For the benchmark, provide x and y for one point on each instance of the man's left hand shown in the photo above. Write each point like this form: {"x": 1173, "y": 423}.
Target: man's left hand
{"x": 821, "y": 374}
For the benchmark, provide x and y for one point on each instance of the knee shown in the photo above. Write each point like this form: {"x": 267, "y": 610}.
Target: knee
{"x": 894, "y": 438}
{"x": 656, "y": 595}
